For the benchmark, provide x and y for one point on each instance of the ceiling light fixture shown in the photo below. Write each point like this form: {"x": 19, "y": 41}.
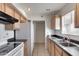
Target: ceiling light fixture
{"x": 28, "y": 9}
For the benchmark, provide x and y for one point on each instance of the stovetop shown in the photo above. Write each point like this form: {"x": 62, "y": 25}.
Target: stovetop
{"x": 6, "y": 48}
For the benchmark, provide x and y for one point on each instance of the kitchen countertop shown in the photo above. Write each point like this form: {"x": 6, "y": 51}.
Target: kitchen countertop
{"x": 17, "y": 40}
{"x": 73, "y": 51}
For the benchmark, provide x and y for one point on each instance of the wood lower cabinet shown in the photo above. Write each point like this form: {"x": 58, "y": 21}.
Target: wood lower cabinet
{"x": 58, "y": 51}
{"x": 25, "y": 49}
{"x": 54, "y": 49}
{"x": 49, "y": 45}
{"x": 65, "y": 54}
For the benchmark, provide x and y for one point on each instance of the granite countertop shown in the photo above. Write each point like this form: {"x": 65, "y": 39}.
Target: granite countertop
{"x": 17, "y": 40}
{"x": 73, "y": 51}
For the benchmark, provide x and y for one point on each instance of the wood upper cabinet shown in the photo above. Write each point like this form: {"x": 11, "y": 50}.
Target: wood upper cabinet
{"x": 77, "y": 15}
{"x": 17, "y": 15}
{"x": 23, "y": 19}
{"x": 2, "y": 7}
{"x": 14, "y": 26}
{"x": 9, "y": 9}
{"x": 53, "y": 22}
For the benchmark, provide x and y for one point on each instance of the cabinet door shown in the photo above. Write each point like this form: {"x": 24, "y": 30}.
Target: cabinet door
{"x": 52, "y": 48}
{"x": 77, "y": 15}
{"x": 58, "y": 50}
{"x": 65, "y": 54}
{"x": 9, "y": 10}
{"x": 25, "y": 49}
{"x": 23, "y": 19}
{"x": 18, "y": 17}
{"x": 57, "y": 53}
{"x": 53, "y": 22}
{"x": 49, "y": 48}
{"x": 2, "y": 7}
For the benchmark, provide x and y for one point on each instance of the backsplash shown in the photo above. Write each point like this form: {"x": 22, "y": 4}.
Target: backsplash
{"x": 74, "y": 37}
{"x": 5, "y": 34}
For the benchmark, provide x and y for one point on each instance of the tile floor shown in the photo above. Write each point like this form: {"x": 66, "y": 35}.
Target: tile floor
{"x": 39, "y": 50}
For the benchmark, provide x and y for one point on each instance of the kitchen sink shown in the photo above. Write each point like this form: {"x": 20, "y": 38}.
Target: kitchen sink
{"x": 67, "y": 44}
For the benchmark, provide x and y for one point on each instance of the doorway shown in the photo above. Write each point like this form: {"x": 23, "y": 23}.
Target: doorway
{"x": 39, "y": 39}
{"x": 40, "y": 32}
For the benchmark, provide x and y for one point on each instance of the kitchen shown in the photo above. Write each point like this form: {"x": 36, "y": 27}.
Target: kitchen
{"x": 38, "y": 29}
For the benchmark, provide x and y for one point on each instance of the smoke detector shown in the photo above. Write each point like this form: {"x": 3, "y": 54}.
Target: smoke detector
{"x": 41, "y": 16}
{"x": 47, "y": 9}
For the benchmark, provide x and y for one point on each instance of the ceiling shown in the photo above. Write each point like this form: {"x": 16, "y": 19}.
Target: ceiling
{"x": 39, "y": 8}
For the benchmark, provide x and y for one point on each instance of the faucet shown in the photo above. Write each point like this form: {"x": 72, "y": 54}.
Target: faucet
{"x": 68, "y": 39}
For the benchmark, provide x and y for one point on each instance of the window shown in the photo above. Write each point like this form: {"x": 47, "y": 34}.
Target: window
{"x": 57, "y": 24}
{"x": 68, "y": 24}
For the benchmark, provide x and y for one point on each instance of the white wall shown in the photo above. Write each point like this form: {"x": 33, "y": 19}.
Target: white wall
{"x": 5, "y": 34}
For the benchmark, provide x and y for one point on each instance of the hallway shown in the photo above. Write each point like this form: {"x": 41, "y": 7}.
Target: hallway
{"x": 39, "y": 50}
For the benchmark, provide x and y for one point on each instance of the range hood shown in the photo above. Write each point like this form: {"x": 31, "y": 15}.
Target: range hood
{"x": 6, "y": 19}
